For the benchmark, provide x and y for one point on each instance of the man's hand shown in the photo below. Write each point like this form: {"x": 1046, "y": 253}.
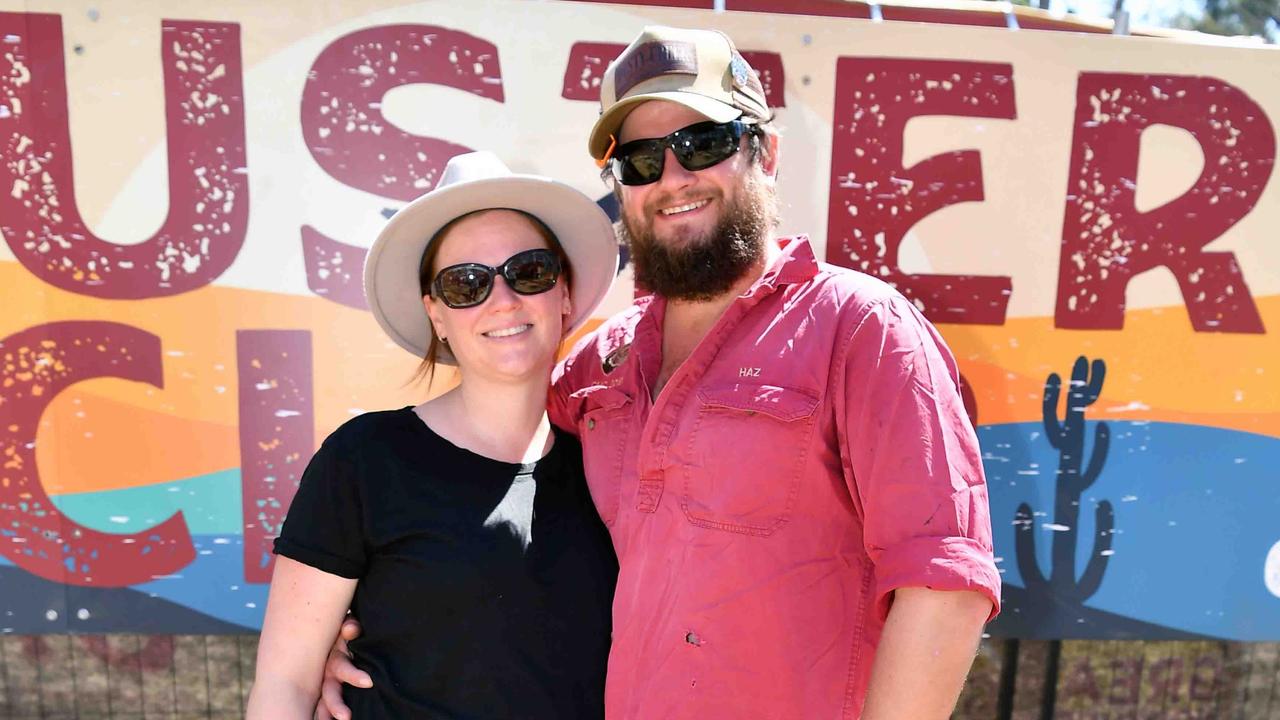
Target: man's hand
{"x": 338, "y": 670}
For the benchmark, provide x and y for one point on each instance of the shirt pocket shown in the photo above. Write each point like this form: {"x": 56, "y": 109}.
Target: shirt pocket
{"x": 746, "y": 451}
{"x": 604, "y": 429}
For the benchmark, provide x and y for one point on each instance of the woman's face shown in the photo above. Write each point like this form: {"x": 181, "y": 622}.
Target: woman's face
{"x": 508, "y": 336}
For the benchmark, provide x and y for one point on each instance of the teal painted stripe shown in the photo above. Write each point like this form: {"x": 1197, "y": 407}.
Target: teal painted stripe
{"x": 211, "y": 504}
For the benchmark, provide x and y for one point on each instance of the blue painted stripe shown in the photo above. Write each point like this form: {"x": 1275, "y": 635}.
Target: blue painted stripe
{"x": 1196, "y": 513}
{"x": 211, "y": 504}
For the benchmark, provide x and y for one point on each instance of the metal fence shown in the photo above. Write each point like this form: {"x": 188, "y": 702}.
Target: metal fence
{"x": 184, "y": 677}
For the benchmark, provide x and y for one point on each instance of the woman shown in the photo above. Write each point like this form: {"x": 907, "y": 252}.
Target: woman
{"x": 460, "y": 531}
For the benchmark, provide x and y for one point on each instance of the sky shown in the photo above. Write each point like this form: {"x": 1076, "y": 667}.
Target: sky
{"x": 1141, "y": 12}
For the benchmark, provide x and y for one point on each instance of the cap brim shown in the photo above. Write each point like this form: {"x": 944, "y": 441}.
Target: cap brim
{"x": 391, "y": 266}
{"x": 611, "y": 120}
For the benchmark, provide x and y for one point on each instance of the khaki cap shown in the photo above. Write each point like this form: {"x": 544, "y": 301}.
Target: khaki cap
{"x": 699, "y": 69}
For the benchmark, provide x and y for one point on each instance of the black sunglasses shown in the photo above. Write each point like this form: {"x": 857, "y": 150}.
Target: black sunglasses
{"x": 466, "y": 285}
{"x": 696, "y": 147}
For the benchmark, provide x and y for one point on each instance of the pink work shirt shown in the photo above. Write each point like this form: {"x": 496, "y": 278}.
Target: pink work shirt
{"x": 810, "y": 456}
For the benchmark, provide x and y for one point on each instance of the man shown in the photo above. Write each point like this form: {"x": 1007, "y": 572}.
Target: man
{"x": 778, "y": 446}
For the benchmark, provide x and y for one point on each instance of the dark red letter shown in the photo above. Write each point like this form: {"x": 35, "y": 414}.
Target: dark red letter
{"x": 343, "y": 126}
{"x": 1106, "y": 241}
{"x": 276, "y": 422}
{"x": 875, "y": 201}
{"x": 208, "y": 187}
{"x": 39, "y": 363}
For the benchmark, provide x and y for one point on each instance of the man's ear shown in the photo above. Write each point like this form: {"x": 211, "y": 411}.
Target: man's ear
{"x": 770, "y": 147}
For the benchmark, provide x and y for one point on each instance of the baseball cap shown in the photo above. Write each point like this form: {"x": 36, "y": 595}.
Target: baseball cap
{"x": 700, "y": 69}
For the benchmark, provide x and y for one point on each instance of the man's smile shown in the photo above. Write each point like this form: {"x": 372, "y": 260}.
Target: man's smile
{"x": 681, "y": 209}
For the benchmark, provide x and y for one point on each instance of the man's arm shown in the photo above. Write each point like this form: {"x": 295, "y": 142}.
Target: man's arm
{"x": 339, "y": 670}
{"x": 915, "y": 475}
{"x": 929, "y": 641}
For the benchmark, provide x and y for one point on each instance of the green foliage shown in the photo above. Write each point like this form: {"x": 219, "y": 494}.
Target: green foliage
{"x": 1258, "y": 18}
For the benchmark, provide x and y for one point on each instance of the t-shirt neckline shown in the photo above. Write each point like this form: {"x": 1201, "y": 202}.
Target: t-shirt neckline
{"x": 416, "y": 420}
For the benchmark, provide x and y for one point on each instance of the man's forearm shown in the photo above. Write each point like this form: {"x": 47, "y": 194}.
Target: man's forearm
{"x": 929, "y": 642}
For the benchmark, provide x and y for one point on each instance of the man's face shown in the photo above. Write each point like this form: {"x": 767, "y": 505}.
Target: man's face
{"x": 693, "y": 234}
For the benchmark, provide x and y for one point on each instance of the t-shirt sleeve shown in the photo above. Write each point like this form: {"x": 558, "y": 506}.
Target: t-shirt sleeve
{"x": 911, "y": 458}
{"x": 324, "y": 526}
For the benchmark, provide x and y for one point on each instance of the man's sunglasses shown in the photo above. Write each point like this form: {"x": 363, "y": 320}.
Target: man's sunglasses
{"x": 528, "y": 273}
{"x": 696, "y": 147}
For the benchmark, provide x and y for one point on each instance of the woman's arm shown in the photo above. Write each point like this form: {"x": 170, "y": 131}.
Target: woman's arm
{"x": 304, "y": 611}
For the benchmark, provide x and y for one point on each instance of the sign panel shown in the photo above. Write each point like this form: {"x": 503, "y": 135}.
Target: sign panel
{"x": 186, "y": 202}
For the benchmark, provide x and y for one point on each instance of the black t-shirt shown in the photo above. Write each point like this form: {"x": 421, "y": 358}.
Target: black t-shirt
{"x": 485, "y": 588}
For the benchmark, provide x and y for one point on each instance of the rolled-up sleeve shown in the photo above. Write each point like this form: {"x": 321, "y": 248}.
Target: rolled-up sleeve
{"x": 324, "y": 527}
{"x": 911, "y": 457}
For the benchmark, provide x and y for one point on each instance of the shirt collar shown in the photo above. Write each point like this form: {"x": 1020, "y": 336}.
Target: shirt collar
{"x": 796, "y": 264}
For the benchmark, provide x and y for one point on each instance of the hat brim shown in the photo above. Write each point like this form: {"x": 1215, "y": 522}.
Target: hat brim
{"x": 391, "y": 267}
{"x": 611, "y": 120}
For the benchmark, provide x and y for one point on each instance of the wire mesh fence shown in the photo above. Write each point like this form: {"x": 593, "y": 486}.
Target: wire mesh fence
{"x": 185, "y": 677}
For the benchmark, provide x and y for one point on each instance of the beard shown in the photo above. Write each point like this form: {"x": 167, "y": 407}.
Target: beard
{"x": 703, "y": 268}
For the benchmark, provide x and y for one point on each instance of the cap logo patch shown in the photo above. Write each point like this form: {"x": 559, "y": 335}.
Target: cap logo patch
{"x": 744, "y": 76}
{"x": 653, "y": 59}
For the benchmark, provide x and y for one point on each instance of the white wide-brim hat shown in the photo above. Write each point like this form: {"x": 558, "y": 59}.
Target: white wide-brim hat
{"x": 480, "y": 181}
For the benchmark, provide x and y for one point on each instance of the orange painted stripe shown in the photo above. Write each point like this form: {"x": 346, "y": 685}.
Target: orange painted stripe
{"x": 1158, "y": 368}
{"x": 88, "y": 443}
{"x": 141, "y": 435}
{"x": 1005, "y": 397}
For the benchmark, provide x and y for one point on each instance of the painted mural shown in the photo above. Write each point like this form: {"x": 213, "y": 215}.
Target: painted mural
{"x": 185, "y": 204}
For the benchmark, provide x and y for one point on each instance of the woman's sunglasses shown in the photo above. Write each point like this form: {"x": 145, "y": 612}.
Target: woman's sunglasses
{"x": 528, "y": 273}
{"x": 696, "y": 147}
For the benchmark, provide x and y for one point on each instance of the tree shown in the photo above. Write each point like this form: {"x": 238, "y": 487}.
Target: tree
{"x": 1260, "y": 18}
{"x": 1257, "y": 18}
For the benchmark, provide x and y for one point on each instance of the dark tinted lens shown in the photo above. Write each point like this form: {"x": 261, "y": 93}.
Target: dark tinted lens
{"x": 464, "y": 285}
{"x": 703, "y": 145}
{"x": 640, "y": 163}
{"x": 532, "y": 272}
{"x": 697, "y": 147}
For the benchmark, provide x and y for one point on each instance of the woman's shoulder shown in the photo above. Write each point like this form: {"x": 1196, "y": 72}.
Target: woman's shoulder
{"x": 567, "y": 443}
{"x": 567, "y": 451}
{"x": 369, "y": 429}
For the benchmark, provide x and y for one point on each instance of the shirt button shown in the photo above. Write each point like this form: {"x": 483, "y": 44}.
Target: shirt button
{"x": 591, "y": 424}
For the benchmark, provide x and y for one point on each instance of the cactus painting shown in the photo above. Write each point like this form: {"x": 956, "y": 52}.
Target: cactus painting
{"x": 1063, "y": 585}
